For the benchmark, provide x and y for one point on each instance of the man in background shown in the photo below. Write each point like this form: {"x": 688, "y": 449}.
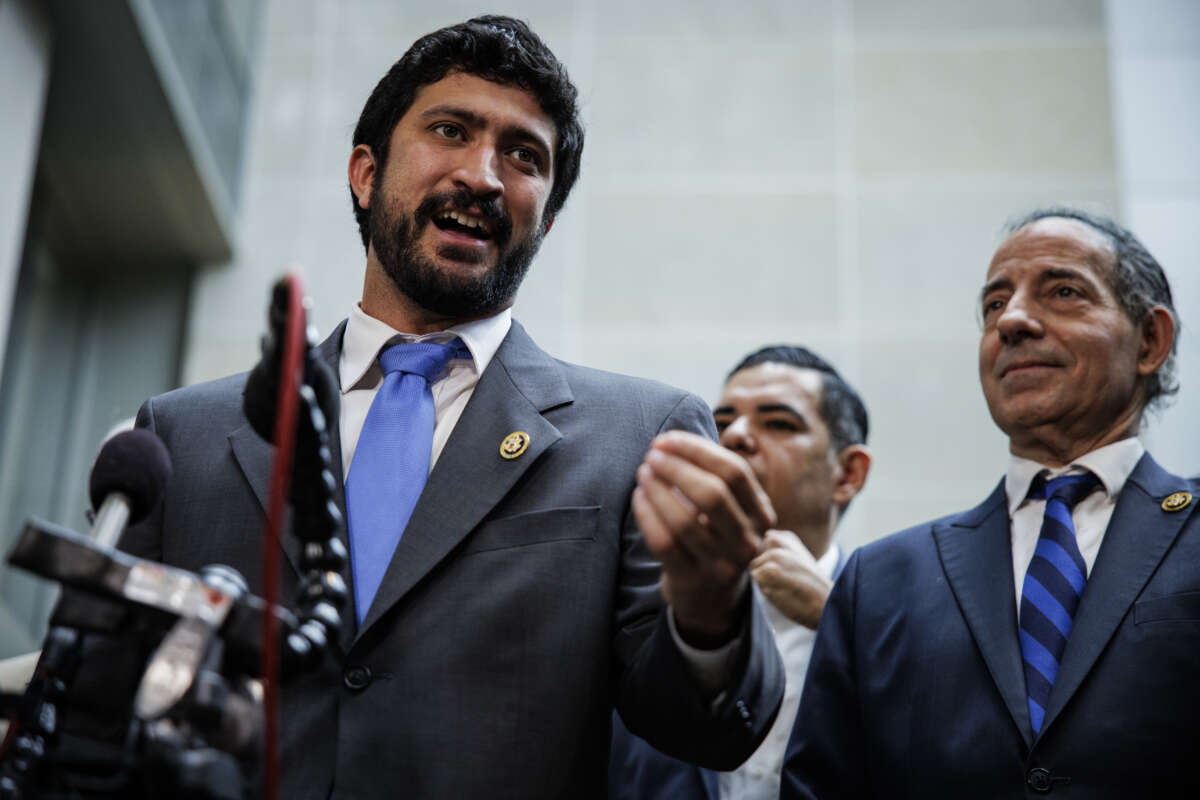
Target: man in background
{"x": 803, "y": 431}
{"x": 1048, "y": 640}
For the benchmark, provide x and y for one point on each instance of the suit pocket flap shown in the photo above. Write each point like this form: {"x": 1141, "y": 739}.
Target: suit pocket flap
{"x": 1182, "y": 606}
{"x": 535, "y": 527}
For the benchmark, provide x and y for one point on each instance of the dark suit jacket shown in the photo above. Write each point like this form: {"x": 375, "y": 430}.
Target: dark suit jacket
{"x": 916, "y": 686}
{"x": 637, "y": 771}
{"x": 519, "y": 607}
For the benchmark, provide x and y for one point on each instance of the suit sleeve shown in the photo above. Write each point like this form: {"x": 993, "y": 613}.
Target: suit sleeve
{"x": 657, "y": 694}
{"x": 825, "y": 755}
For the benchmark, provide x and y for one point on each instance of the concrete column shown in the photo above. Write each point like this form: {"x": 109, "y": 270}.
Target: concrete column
{"x": 1154, "y": 60}
{"x": 24, "y": 76}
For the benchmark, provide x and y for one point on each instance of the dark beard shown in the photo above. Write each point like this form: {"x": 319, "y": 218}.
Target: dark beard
{"x": 394, "y": 237}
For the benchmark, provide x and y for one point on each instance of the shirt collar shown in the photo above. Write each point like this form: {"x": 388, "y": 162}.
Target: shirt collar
{"x": 1112, "y": 464}
{"x": 365, "y": 336}
{"x": 828, "y": 562}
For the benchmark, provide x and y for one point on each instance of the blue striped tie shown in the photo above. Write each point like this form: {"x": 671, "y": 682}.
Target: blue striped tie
{"x": 1053, "y": 585}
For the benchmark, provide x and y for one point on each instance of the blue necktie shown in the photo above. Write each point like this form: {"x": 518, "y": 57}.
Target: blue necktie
{"x": 1052, "y": 588}
{"x": 391, "y": 461}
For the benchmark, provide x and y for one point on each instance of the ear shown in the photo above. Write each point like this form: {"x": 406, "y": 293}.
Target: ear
{"x": 854, "y": 463}
{"x": 546, "y": 225}
{"x": 362, "y": 174}
{"x": 1158, "y": 334}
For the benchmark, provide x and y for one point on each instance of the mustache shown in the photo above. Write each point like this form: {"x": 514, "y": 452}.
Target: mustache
{"x": 464, "y": 200}
{"x": 1022, "y": 358}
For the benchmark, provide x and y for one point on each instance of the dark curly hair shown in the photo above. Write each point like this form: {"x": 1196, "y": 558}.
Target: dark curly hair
{"x": 1137, "y": 280}
{"x": 499, "y": 49}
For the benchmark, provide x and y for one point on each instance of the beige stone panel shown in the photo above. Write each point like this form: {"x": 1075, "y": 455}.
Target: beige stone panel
{"x": 548, "y": 302}
{"x": 389, "y": 27}
{"x": 715, "y": 19}
{"x": 957, "y": 17}
{"x": 1166, "y": 225}
{"x": 682, "y": 106}
{"x": 1154, "y": 28}
{"x": 281, "y": 117}
{"x": 735, "y": 258}
{"x": 1159, "y": 123}
{"x": 697, "y": 355}
{"x": 289, "y": 18}
{"x": 935, "y": 448}
{"x": 413, "y": 19}
{"x": 1037, "y": 110}
{"x": 924, "y": 247}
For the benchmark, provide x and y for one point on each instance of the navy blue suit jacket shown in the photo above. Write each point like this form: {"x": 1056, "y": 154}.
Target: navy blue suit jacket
{"x": 916, "y": 687}
{"x": 637, "y": 771}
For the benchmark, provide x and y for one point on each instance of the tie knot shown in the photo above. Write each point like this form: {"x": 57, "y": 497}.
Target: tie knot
{"x": 1069, "y": 489}
{"x": 426, "y": 359}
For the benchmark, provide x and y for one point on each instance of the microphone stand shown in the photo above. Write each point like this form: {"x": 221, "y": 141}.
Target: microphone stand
{"x": 198, "y": 717}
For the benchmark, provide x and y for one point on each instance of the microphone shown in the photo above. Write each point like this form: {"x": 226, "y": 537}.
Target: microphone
{"x": 261, "y": 393}
{"x": 127, "y": 482}
{"x": 192, "y": 692}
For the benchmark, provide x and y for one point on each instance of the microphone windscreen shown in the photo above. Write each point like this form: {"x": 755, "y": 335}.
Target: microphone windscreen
{"x": 259, "y": 397}
{"x": 136, "y": 464}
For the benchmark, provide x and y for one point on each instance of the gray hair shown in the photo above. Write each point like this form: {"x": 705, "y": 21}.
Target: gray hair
{"x": 1137, "y": 280}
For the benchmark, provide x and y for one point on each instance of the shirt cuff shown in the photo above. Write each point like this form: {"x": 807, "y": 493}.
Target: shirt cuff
{"x": 711, "y": 668}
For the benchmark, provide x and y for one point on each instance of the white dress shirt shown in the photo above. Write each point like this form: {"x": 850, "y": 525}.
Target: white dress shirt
{"x": 1112, "y": 464}
{"x": 758, "y": 778}
{"x": 361, "y": 376}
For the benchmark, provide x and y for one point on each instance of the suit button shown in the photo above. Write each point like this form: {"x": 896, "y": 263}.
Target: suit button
{"x": 744, "y": 713}
{"x": 1039, "y": 779}
{"x": 357, "y": 678}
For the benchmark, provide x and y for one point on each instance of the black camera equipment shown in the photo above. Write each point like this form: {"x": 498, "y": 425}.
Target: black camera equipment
{"x": 202, "y": 655}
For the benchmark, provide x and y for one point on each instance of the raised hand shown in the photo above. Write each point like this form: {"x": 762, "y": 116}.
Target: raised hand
{"x": 788, "y": 575}
{"x": 702, "y": 514}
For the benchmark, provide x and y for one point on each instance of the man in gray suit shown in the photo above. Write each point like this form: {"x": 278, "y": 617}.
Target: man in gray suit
{"x": 483, "y": 653}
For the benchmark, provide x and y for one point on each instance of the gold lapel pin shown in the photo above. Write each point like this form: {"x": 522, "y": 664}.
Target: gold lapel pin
{"x": 514, "y": 444}
{"x": 1177, "y": 501}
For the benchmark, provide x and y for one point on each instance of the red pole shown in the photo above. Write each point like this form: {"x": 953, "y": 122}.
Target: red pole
{"x": 285, "y": 440}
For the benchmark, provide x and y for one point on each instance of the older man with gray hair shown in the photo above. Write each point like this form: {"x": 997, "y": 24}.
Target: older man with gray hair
{"x": 1047, "y": 640}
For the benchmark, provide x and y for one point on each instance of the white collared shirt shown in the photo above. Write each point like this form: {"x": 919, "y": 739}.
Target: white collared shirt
{"x": 758, "y": 778}
{"x": 361, "y": 376}
{"x": 1112, "y": 464}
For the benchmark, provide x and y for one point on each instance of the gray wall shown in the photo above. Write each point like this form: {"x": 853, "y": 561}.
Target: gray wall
{"x": 1155, "y": 62}
{"x": 834, "y": 173}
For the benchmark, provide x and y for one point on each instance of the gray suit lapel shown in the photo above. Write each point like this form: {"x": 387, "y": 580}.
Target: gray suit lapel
{"x": 471, "y": 477}
{"x": 329, "y": 352}
{"x": 976, "y": 553}
{"x": 1138, "y": 536}
{"x": 254, "y": 455}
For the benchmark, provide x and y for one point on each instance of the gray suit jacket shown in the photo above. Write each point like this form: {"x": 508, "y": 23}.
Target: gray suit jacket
{"x": 519, "y": 607}
{"x": 636, "y": 771}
